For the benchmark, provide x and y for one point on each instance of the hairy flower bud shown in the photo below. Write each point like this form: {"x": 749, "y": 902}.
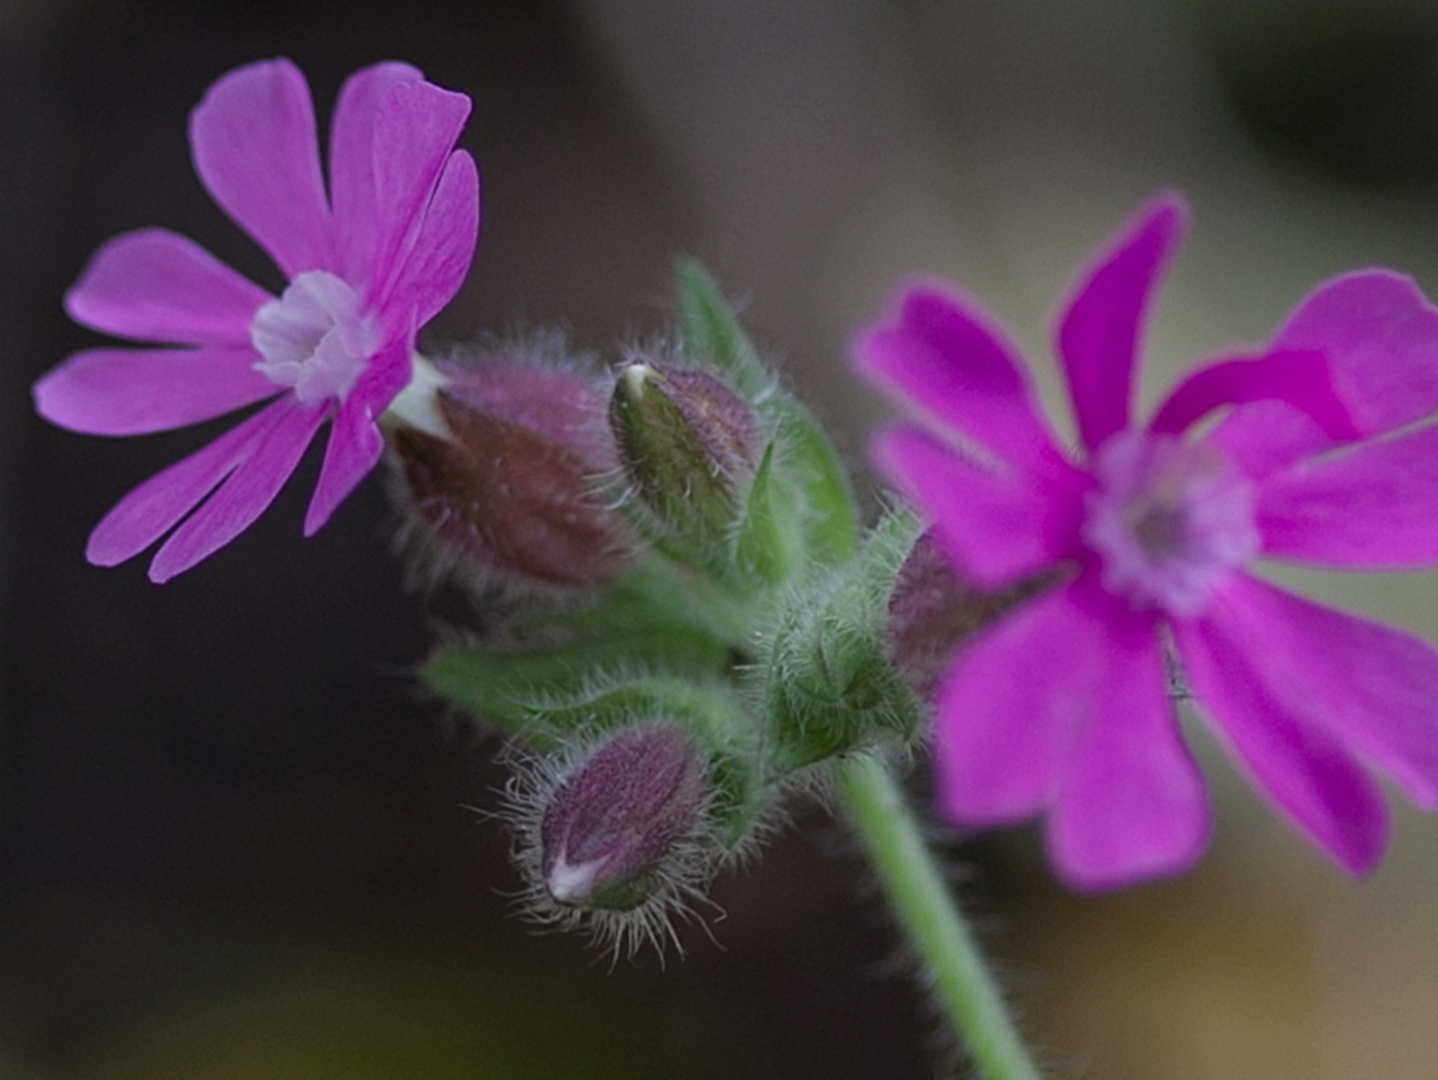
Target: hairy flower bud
{"x": 688, "y": 444}
{"x": 609, "y": 828}
{"x": 499, "y": 471}
{"x": 932, "y": 612}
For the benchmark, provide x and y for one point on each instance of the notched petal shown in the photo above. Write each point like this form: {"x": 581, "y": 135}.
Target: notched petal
{"x": 947, "y": 361}
{"x": 1302, "y": 378}
{"x": 256, "y": 149}
{"x": 137, "y": 391}
{"x": 155, "y": 285}
{"x": 1300, "y": 703}
{"x": 996, "y": 527}
{"x": 1099, "y": 335}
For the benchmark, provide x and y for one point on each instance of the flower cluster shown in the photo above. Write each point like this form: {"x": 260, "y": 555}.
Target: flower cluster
{"x": 695, "y": 621}
{"x": 368, "y": 262}
{"x": 1062, "y": 707}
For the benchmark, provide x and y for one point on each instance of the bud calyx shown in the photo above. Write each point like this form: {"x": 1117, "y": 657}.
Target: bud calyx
{"x": 610, "y": 826}
{"x": 504, "y": 480}
{"x": 689, "y": 445}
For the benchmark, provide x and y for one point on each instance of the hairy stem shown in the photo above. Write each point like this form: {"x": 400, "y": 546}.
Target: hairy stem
{"x": 925, "y": 908}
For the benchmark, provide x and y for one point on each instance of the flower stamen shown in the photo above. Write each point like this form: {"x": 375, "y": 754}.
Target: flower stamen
{"x": 314, "y": 338}
{"x": 1169, "y": 520}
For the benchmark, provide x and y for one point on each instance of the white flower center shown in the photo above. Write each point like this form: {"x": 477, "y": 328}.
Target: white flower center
{"x": 1169, "y": 520}
{"x": 314, "y": 338}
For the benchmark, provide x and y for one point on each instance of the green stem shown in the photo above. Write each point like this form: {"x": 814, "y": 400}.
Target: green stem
{"x": 925, "y": 908}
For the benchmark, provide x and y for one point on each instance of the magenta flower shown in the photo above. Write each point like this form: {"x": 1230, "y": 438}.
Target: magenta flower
{"x": 368, "y": 263}
{"x": 1062, "y": 708}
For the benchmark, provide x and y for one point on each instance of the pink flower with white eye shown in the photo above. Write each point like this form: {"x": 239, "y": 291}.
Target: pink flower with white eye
{"x": 1062, "y": 707}
{"x": 368, "y": 263}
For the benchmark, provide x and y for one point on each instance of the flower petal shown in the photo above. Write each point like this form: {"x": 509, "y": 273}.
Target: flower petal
{"x": 415, "y": 129}
{"x": 257, "y": 478}
{"x": 1098, "y": 338}
{"x": 255, "y": 148}
{"x": 1380, "y": 335}
{"x": 1374, "y": 507}
{"x": 150, "y": 510}
{"x": 1374, "y": 688}
{"x": 354, "y": 449}
{"x": 355, "y": 443}
{"x": 945, "y": 360}
{"x": 352, "y": 163}
{"x": 997, "y": 528}
{"x": 1131, "y": 804}
{"x": 440, "y": 259}
{"x": 1295, "y": 700}
{"x": 1297, "y": 377}
{"x": 136, "y": 391}
{"x": 1015, "y": 700}
{"x": 155, "y": 285}
{"x": 390, "y": 371}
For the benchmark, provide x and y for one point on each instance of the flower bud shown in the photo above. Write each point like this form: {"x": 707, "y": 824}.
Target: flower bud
{"x": 689, "y": 445}
{"x": 499, "y": 472}
{"x": 610, "y": 827}
{"x": 932, "y": 612}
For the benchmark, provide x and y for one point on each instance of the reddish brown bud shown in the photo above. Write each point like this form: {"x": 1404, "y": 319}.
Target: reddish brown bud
{"x": 932, "y": 612}
{"x": 609, "y": 828}
{"x": 510, "y": 488}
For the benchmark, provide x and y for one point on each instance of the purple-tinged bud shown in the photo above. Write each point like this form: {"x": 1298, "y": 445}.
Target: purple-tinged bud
{"x": 611, "y": 826}
{"x": 689, "y": 445}
{"x": 932, "y": 612}
{"x": 501, "y": 470}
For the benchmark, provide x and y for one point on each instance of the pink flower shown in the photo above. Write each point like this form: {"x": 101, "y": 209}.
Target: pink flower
{"x": 1063, "y": 707}
{"x": 368, "y": 263}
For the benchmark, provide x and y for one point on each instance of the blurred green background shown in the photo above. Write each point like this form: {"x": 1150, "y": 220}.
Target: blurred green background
{"x": 233, "y": 840}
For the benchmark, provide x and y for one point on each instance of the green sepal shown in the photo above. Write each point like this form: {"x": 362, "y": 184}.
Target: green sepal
{"x": 830, "y": 512}
{"x": 764, "y": 547}
{"x": 713, "y": 335}
{"x": 830, "y": 686}
{"x": 656, "y": 620}
{"x": 510, "y": 688}
{"x": 709, "y": 628}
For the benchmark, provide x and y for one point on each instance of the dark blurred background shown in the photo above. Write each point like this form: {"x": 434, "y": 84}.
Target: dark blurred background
{"x": 233, "y": 840}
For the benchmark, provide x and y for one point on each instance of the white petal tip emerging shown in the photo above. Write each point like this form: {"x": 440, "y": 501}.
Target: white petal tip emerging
{"x": 572, "y": 884}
